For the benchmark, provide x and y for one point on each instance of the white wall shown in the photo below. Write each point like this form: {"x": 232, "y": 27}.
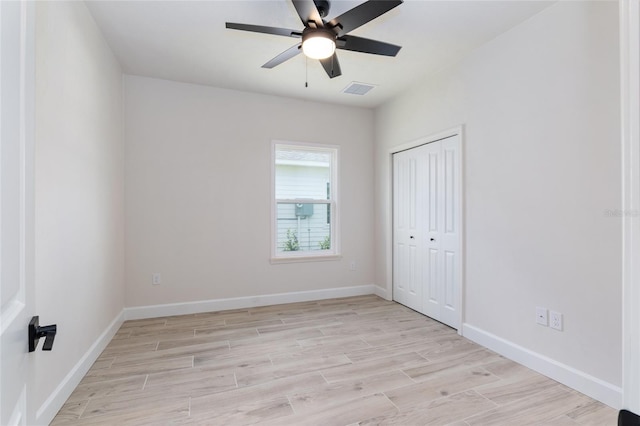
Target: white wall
{"x": 198, "y": 192}
{"x": 540, "y": 107}
{"x": 79, "y": 183}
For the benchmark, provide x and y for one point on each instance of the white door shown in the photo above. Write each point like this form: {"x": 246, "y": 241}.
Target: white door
{"x": 442, "y": 261}
{"x": 435, "y": 200}
{"x": 408, "y": 218}
{"x": 16, "y": 207}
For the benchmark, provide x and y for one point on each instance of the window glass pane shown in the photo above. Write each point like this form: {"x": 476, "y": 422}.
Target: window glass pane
{"x": 303, "y": 227}
{"x": 302, "y": 174}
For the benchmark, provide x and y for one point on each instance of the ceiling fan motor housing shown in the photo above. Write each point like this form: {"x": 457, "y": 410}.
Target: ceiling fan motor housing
{"x": 318, "y": 32}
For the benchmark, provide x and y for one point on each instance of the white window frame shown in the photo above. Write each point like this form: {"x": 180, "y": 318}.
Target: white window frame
{"x": 317, "y": 255}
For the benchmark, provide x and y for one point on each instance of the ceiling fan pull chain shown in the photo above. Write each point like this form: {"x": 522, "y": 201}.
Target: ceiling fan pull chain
{"x": 306, "y": 72}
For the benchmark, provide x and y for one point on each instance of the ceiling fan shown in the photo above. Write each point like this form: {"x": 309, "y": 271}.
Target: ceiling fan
{"x": 321, "y": 38}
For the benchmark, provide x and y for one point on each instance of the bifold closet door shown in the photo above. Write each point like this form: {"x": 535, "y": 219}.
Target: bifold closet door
{"x": 426, "y": 229}
{"x": 407, "y": 229}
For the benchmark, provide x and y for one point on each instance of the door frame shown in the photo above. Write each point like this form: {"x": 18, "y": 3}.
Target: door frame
{"x": 630, "y": 141}
{"x": 454, "y": 131}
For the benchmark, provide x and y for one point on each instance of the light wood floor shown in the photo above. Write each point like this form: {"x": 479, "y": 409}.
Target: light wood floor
{"x": 360, "y": 360}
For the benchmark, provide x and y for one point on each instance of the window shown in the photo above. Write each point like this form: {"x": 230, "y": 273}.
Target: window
{"x": 305, "y": 211}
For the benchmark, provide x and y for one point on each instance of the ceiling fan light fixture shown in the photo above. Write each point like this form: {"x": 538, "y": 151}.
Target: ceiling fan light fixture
{"x": 318, "y": 43}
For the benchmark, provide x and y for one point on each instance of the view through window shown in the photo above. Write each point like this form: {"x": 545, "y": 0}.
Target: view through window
{"x": 305, "y": 203}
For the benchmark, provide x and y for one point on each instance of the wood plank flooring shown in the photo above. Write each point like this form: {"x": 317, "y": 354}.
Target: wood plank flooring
{"x": 352, "y": 361}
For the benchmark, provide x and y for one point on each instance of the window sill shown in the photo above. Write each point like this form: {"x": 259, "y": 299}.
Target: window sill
{"x": 299, "y": 259}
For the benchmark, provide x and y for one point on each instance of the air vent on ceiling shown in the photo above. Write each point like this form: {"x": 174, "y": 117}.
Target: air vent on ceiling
{"x": 356, "y": 88}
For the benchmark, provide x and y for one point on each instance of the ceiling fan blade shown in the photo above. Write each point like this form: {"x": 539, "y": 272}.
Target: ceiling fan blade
{"x": 365, "y": 45}
{"x": 331, "y": 66}
{"x": 360, "y": 15}
{"x": 308, "y": 11}
{"x": 265, "y": 30}
{"x": 284, "y": 56}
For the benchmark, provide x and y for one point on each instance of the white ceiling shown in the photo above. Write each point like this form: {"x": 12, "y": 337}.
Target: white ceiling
{"x": 187, "y": 41}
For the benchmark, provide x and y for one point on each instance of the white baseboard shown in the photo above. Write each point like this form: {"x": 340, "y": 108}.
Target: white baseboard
{"x": 380, "y": 292}
{"x": 56, "y": 400}
{"x": 143, "y": 312}
{"x": 569, "y": 376}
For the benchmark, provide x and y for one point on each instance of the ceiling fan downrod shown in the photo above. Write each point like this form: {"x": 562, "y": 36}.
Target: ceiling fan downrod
{"x": 323, "y": 7}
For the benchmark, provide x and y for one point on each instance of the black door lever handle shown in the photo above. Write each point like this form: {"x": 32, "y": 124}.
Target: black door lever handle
{"x": 36, "y": 332}
{"x": 49, "y": 333}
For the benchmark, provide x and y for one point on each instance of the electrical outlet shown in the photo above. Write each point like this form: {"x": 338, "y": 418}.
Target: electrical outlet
{"x": 541, "y": 316}
{"x": 352, "y": 265}
{"x": 555, "y": 320}
{"x": 156, "y": 278}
